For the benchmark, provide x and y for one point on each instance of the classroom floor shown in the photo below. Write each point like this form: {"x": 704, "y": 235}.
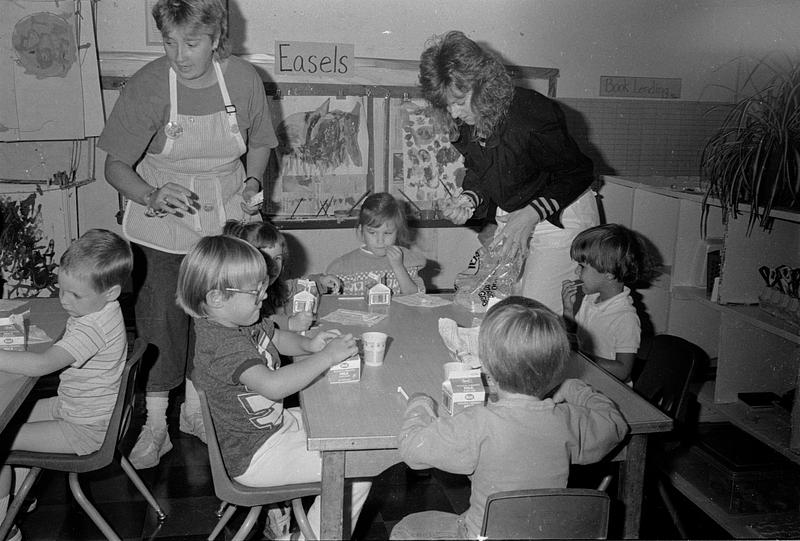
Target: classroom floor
{"x": 183, "y": 486}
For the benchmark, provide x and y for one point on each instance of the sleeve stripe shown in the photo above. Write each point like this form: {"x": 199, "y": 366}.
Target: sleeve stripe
{"x": 545, "y": 207}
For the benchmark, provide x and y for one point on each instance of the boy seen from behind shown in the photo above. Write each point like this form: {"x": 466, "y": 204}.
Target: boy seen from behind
{"x": 522, "y": 441}
{"x": 92, "y": 353}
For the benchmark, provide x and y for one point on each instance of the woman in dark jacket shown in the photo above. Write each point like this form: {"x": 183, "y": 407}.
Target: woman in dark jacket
{"x": 523, "y": 167}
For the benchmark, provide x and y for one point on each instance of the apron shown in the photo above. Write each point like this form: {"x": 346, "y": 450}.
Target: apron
{"x": 201, "y": 153}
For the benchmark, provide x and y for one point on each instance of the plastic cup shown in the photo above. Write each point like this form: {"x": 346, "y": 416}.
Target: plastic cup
{"x": 374, "y": 344}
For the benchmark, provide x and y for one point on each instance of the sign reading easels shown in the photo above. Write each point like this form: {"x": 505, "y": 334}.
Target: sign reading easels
{"x": 314, "y": 59}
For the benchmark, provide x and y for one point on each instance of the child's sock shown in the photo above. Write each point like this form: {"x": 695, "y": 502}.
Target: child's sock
{"x": 156, "y": 411}
{"x": 191, "y": 403}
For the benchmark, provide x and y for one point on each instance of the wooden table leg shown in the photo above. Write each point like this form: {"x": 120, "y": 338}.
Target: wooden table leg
{"x": 631, "y": 484}
{"x": 332, "y": 499}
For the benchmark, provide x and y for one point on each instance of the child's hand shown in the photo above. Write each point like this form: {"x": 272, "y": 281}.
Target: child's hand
{"x": 395, "y": 256}
{"x": 322, "y": 338}
{"x": 569, "y": 293}
{"x": 340, "y": 348}
{"x": 331, "y": 283}
{"x": 301, "y": 321}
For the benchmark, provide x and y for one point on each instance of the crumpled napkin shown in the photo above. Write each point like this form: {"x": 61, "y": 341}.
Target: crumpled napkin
{"x": 462, "y": 342}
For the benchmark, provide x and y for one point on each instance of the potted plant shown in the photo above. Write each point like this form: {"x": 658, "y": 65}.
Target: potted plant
{"x": 754, "y": 157}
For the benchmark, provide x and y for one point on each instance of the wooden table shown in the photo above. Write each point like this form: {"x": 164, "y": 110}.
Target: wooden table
{"x": 355, "y": 425}
{"x": 47, "y": 314}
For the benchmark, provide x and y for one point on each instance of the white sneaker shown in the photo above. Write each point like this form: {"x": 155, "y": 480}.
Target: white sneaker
{"x": 149, "y": 448}
{"x": 191, "y": 422}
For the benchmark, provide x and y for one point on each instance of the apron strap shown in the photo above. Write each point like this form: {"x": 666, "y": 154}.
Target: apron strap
{"x": 230, "y": 108}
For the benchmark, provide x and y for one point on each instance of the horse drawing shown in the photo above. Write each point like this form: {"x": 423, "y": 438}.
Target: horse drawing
{"x": 321, "y": 138}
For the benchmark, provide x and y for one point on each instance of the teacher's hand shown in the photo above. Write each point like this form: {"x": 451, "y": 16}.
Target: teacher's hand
{"x": 458, "y": 210}
{"x": 513, "y": 239}
{"x": 174, "y": 199}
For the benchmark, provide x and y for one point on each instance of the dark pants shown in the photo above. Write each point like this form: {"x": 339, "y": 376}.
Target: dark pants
{"x": 160, "y": 321}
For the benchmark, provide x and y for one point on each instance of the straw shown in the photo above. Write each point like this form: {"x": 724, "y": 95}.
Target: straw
{"x": 402, "y": 392}
{"x": 449, "y": 193}
{"x": 297, "y": 207}
{"x": 359, "y": 201}
{"x": 410, "y": 200}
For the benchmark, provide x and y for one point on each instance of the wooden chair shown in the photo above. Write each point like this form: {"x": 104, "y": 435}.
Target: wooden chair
{"x": 547, "y": 513}
{"x": 236, "y": 494}
{"x": 75, "y": 464}
{"x": 668, "y": 365}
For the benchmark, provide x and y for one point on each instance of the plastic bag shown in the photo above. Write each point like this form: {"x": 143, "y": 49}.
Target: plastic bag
{"x": 487, "y": 277}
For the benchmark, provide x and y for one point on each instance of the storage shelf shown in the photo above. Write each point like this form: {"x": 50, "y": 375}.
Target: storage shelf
{"x": 685, "y": 474}
{"x": 752, "y": 314}
{"x": 772, "y": 426}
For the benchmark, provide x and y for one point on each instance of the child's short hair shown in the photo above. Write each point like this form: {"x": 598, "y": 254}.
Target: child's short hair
{"x": 99, "y": 257}
{"x": 260, "y": 235}
{"x": 523, "y": 346}
{"x": 217, "y": 263}
{"x": 380, "y": 208}
{"x": 615, "y": 249}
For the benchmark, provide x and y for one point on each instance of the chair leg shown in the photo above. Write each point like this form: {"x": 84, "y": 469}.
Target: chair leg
{"x": 673, "y": 513}
{"x": 137, "y": 481}
{"x": 18, "y": 500}
{"x": 221, "y": 509}
{"x": 247, "y": 525}
{"x": 224, "y": 518}
{"x": 302, "y": 520}
{"x": 90, "y": 510}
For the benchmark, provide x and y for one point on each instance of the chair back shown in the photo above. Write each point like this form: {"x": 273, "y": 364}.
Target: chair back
{"x": 669, "y": 362}
{"x": 547, "y": 513}
{"x": 235, "y": 493}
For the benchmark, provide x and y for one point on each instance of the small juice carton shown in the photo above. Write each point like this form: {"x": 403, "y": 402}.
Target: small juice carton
{"x": 462, "y": 390}
{"x": 12, "y": 333}
{"x": 346, "y": 371}
{"x": 305, "y": 300}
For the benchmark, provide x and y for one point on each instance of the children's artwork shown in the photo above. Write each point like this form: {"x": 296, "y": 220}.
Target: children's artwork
{"x": 49, "y": 79}
{"x": 426, "y": 166}
{"x": 323, "y": 145}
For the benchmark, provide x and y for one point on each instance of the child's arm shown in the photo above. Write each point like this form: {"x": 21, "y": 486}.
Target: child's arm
{"x": 278, "y": 384}
{"x": 395, "y": 256}
{"x": 569, "y": 293}
{"x": 292, "y": 343}
{"x": 620, "y": 367}
{"x": 450, "y": 444}
{"x": 33, "y": 364}
{"x": 599, "y": 428}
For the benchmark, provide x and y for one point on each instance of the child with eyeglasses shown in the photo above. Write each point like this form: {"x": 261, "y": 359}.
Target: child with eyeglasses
{"x": 272, "y": 243}
{"x": 237, "y": 362}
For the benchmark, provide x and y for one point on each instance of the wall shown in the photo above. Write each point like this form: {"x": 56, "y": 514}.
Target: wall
{"x": 708, "y": 44}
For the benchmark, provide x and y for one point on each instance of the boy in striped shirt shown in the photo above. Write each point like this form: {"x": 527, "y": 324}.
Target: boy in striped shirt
{"x": 91, "y": 353}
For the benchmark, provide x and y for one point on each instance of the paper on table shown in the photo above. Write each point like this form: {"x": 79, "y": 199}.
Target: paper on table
{"x": 421, "y": 299}
{"x": 353, "y": 317}
{"x": 461, "y": 341}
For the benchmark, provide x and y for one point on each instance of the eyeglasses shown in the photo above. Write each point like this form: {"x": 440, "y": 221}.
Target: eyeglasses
{"x": 260, "y": 293}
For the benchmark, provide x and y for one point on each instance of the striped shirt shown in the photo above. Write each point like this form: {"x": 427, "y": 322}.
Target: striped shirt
{"x": 89, "y": 386}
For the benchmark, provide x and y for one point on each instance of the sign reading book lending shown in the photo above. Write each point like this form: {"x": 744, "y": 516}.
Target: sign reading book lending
{"x": 640, "y": 87}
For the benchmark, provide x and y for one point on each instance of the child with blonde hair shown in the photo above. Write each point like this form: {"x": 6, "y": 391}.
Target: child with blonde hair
{"x": 523, "y": 440}
{"x": 381, "y": 226}
{"x": 91, "y": 353}
{"x": 221, "y": 284}
{"x": 606, "y": 325}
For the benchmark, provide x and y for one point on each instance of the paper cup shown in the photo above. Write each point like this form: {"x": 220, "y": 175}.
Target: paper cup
{"x": 374, "y": 344}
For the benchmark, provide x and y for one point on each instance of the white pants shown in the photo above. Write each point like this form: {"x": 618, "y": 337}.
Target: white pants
{"x": 285, "y": 459}
{"x": 548, "y": 263}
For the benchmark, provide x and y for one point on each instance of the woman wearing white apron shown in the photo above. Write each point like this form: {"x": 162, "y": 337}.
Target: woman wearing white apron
{"x": 522, "y": 165}
{"x": 187, "y": 118}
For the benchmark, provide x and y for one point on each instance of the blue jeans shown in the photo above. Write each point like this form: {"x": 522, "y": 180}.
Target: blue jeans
{"x": 160, "y": 321}
{"x": 430, "y": 525}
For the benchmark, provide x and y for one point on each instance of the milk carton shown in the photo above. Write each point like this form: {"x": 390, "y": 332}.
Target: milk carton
{"x": 462, "y": 390}
{"x": 12, "y": 333}
{"x": 305, "y": 300}
{"x": 346, "y": 371}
